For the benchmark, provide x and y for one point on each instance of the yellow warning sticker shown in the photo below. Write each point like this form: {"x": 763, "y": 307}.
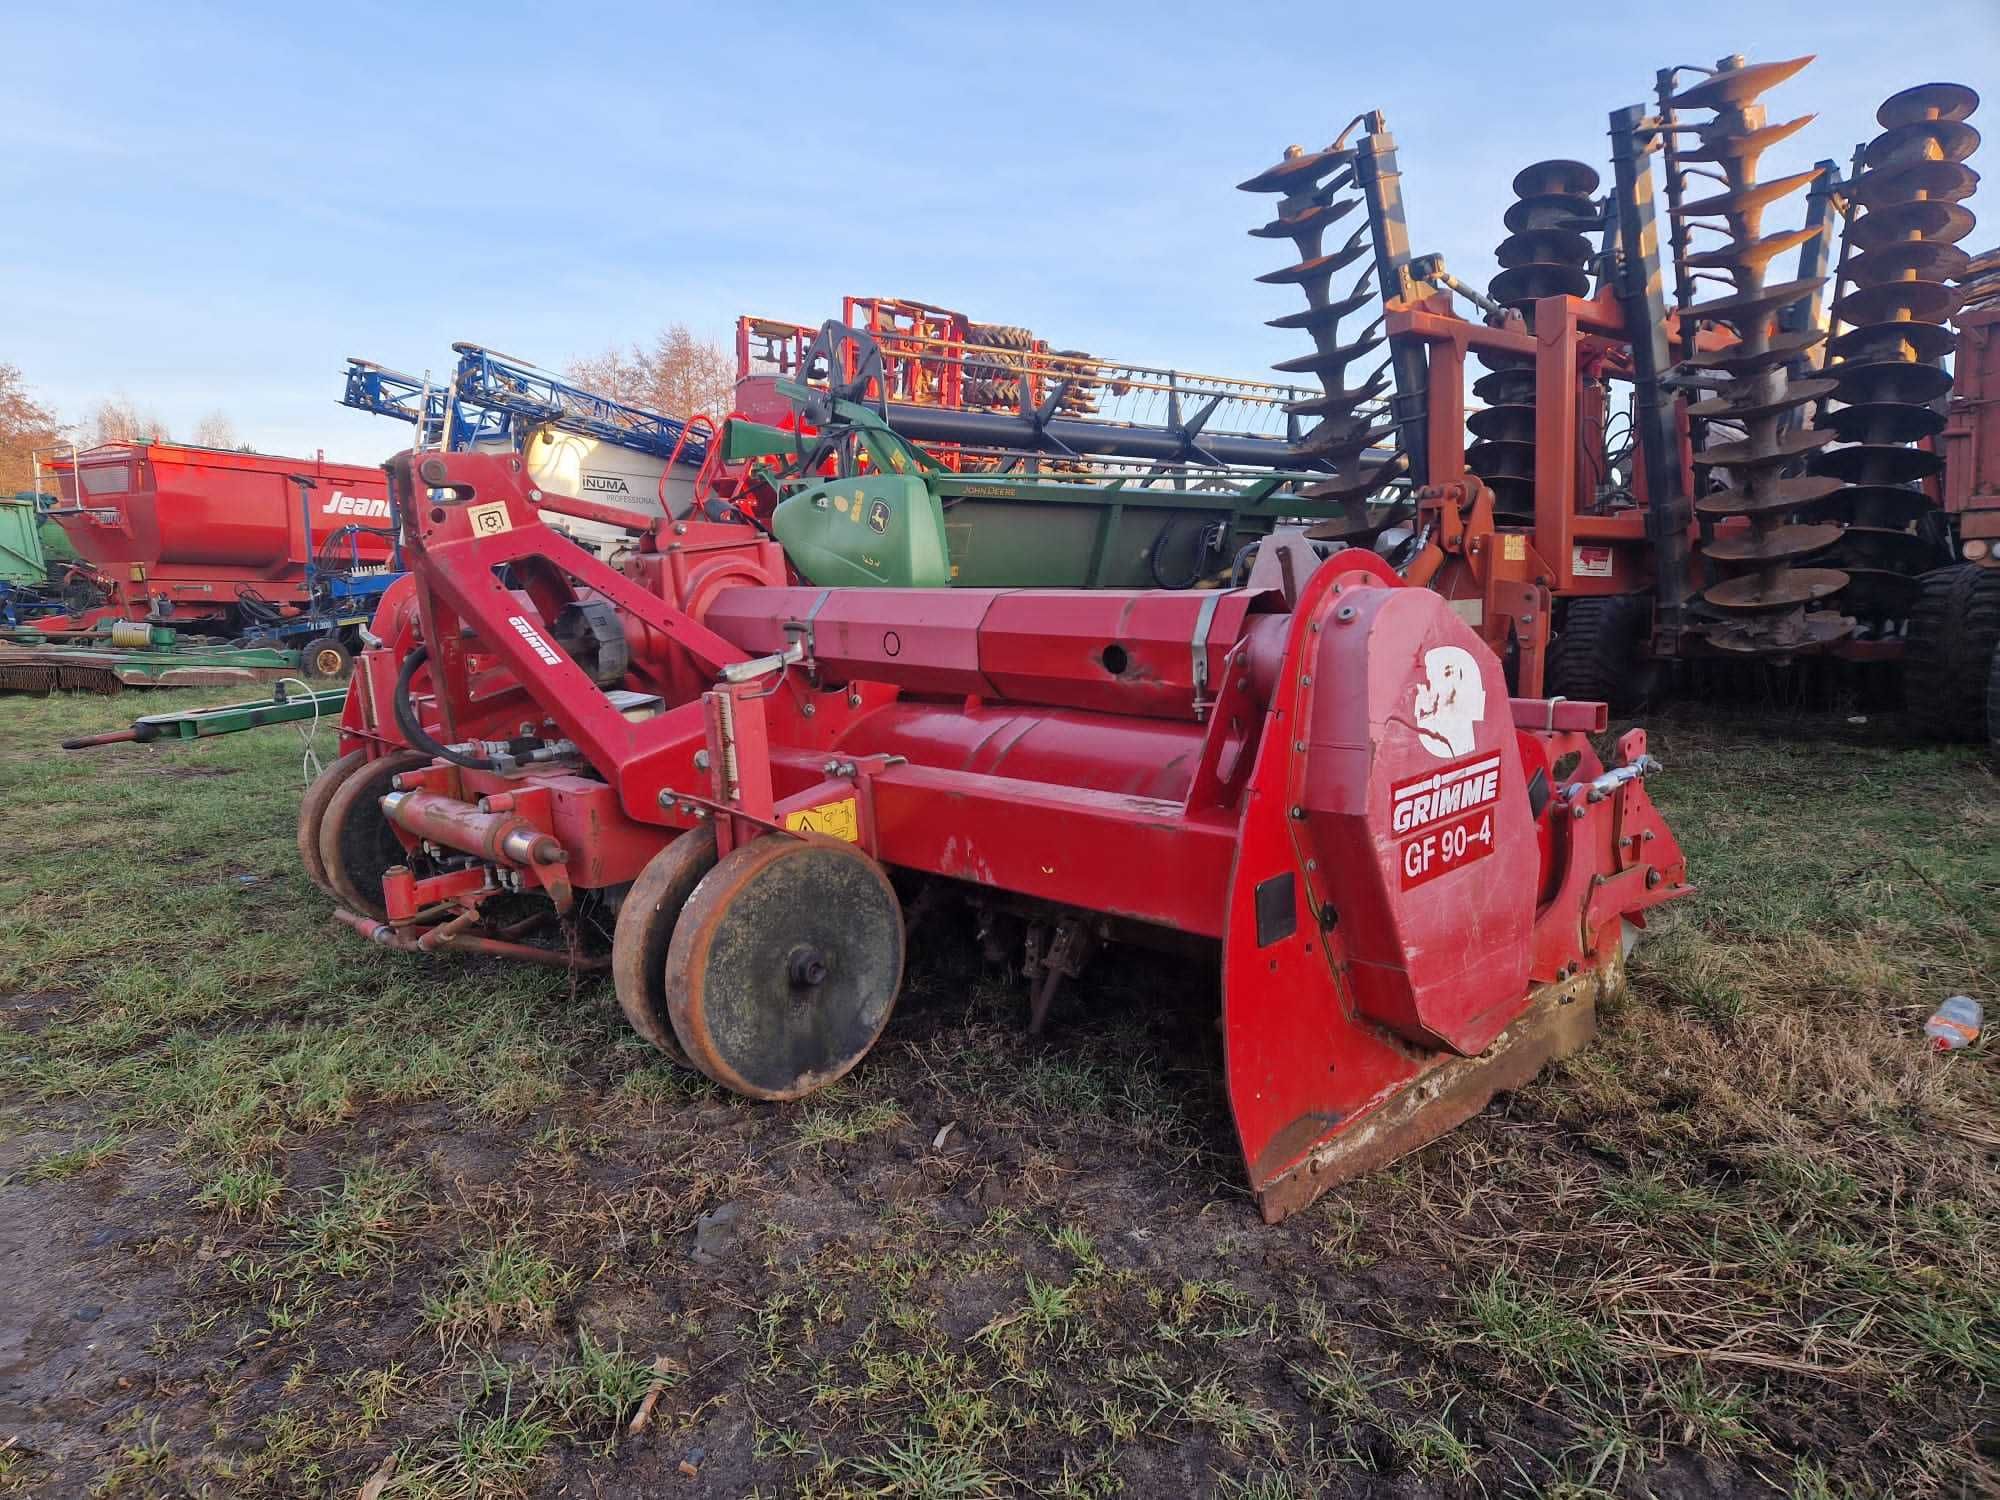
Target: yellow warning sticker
{"x": 490, "y": 519}
{"x": 1513, "y": 547}
{"x": 837, "y": 820}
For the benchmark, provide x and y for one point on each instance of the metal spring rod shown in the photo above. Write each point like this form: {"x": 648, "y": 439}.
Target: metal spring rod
{"x": 725, "y": 722}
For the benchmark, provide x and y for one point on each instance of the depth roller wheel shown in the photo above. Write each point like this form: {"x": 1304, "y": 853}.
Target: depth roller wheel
{"x": 646, "y": 921}
{"x": 357, "y": 843}
{"x": 312, "y": 810}
{"x": 784, "y": 965}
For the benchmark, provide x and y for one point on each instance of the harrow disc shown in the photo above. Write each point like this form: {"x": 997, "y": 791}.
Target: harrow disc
{"x": 1534, "y": 281}
{"x": 1917, "y": 259}
{"x": 1736, "y": 83}
{"x": 1917, "y": 182}
{"x": 1780, "y": 349}
{"x": 1297, "y": 169}
{"x": 1741, "y": 400}
{"x": 646, "y": 920}
{"x": 1787, "y": 588}
{"x": 1919, "y": 219}
{"x": 1898, "y": 302}
{"x": 1571, "y": 211}
{"x": 1927, "y": 101}
{"x": 1888, "y": 422}
{"x": 1925, "y": 342}
{"x": 1877, "y": 463}
{"x": 357, "y": 843}
{"x": 784, "y": 966}
{"x": 1927, "y": 140}
{"x": 1779, "y": 544}
{"x": 1889, "y": 506}
{"x": 1555, "y": 177}
{"x": 1885, "y": 549}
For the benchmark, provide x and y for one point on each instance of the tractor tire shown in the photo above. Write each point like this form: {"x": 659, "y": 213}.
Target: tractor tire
{"x": 1000, "y": 336}
{"x": 1993, "y": 704}
{"x": 326, "y": 659}
{"x": 1954, "y": 630}
{"x": 1600, "y": 654}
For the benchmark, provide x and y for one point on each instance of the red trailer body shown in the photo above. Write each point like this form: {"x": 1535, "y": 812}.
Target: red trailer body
{"x": 1971, "y": 439}
{"x": 180, "y": 533}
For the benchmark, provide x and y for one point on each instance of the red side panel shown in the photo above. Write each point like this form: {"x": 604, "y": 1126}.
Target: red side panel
{"x": 1417, "y": 809}
{"x": 1386, "y": 872}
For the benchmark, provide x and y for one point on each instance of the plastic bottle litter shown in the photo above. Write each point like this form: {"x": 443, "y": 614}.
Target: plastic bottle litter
{"x": 1955, "y": 1023}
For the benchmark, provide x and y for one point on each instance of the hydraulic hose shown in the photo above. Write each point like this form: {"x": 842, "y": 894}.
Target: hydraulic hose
{"x": 412, "y": 727}
{"x": 1201, "y": 554}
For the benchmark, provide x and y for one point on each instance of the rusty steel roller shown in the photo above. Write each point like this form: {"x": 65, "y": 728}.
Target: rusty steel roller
{"x": 1887, "y": 364}
{"x": 1317, "y": 190}
{"x": 1766, "y": 516}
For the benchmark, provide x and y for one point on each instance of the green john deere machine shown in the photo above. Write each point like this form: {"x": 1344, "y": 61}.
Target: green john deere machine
{"x": 858, "y": 503}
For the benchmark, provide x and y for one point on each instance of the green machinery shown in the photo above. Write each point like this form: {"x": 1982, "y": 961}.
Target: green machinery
{"x": 857, "y": 503}
{"x": 282, "y": 707}
{"x": 22, "y": 558}
{"x": 130, "y": 653}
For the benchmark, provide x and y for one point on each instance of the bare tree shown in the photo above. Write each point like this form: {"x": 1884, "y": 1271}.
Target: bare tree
{"x": 215, "y": 431}
{"x": 679, "y": 375}
{"x": 118, "y": 420}
{"x": 25, "y": 424}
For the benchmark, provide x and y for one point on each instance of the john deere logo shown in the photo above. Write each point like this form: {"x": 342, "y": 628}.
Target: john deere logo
{"x": 878, "y": 515}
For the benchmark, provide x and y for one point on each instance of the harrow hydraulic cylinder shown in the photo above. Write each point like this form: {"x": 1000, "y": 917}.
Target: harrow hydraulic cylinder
{"x": 499, "y": 838}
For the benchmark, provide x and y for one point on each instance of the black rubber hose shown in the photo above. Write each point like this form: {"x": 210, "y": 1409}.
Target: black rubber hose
{"x": 412, "y": 727}
{"x": 1239, "y": 569}
{"x": 256, "y": 608}
{"x": 1160, "y": 545}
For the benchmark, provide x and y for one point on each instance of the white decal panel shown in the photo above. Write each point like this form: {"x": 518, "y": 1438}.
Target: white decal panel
{"x": 1450, "y": 703}
{"x": 534, "y": 639}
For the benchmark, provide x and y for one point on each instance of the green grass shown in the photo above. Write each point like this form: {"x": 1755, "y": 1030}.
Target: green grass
{"x": 443, "y": 1209}
{"x": 504, "y": 1286}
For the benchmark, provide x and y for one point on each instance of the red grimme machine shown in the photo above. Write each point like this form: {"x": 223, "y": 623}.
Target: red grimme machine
{"x": 727, "y": 791}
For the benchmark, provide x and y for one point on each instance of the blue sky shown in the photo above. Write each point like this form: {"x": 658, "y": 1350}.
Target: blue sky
{"x": 208, "y": 207}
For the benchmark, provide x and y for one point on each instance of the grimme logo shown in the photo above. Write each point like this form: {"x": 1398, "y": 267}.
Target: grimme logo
{"x": 338, "y": 504}
{"x": 1425, "y": 800}
{"x": 534, "y": 639}
{"x": 607, "y": 484}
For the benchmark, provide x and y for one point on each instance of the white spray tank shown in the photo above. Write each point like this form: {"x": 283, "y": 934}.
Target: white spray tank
{"x": 568, "y": 463}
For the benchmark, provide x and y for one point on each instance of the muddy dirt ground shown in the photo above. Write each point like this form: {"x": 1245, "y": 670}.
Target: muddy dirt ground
{"x": 282, "y": 1213}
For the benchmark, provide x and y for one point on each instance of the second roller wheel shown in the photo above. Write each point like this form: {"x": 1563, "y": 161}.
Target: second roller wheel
{"x": 357, "y": 843}
{"x": 646, "y": 921}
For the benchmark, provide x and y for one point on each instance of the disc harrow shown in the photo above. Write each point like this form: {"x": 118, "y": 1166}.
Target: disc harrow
{"x": 1317, "y": 190}
{"x": 1886, "y": 367}
{"x": 1762, "y": 519}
